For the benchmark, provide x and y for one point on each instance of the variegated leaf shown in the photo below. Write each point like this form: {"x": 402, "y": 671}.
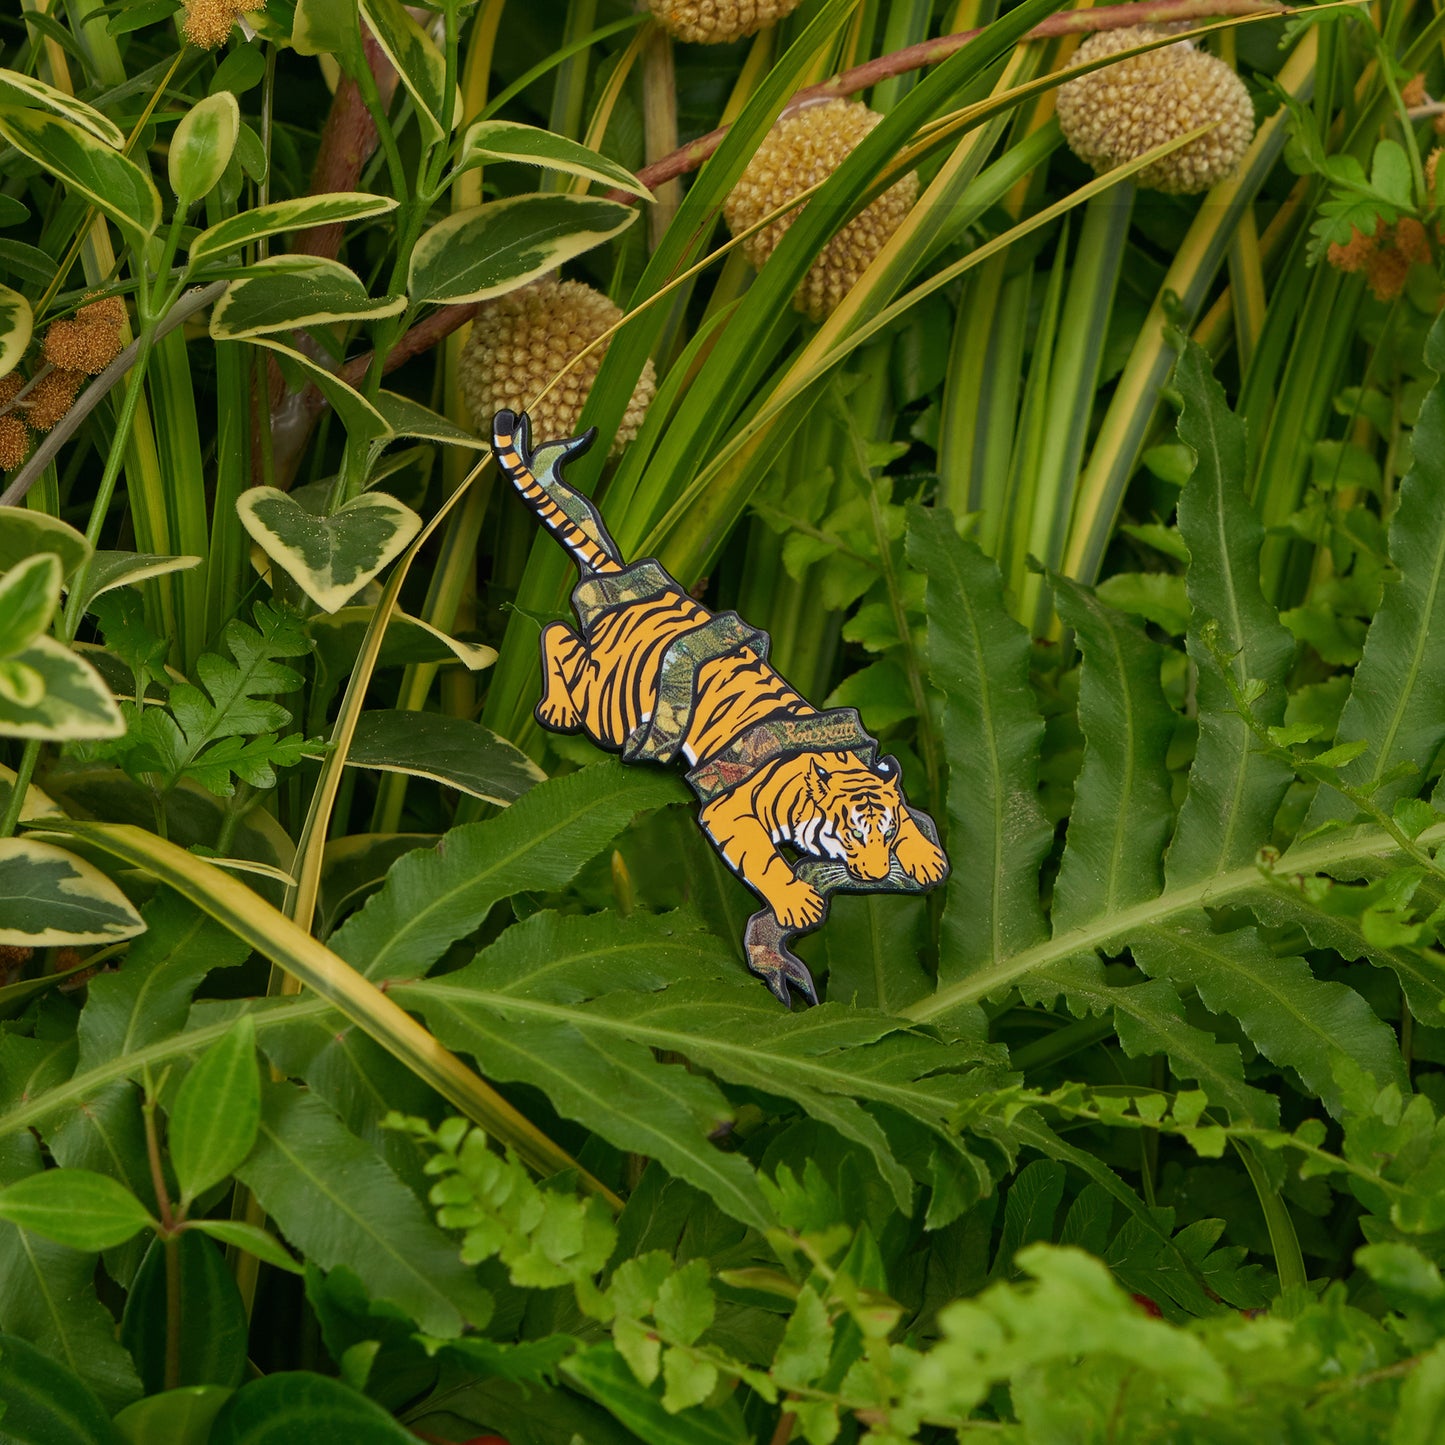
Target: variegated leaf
{"x": 201, "y": 146}
{"x": 241, "y": 230}
{"x": 23, "y": 533}
{"x": 509, "y": 140}
{"x": 283, "y": 293}
{"x": 48, "y": 693}
{"x": 109, "y": 570}
{"x": 421, "y": 66}
{"x": 329, "y": 558}
{"x": 18, "y": 89}
{"x": 16, "y": 324}
{"x": 358, "y": 416}
{"x": 408, "y": 418}
{"x": 29, "y": 595}
{"x": 49, "y": 897}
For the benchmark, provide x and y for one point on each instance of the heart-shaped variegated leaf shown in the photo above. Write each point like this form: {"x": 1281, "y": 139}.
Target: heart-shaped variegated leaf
{"x": 49, "y": 897}
{"x": 329, "y": 558}
{"x": 48, "y": 693}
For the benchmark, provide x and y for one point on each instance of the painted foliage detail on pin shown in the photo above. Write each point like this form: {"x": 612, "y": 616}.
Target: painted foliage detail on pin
{"x": 652, "y": 674}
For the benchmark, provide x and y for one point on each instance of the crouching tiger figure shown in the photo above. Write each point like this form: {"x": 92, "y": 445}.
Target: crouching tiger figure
{"x": 652, "y": 674}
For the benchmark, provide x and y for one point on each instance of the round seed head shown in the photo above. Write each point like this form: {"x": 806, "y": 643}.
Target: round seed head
{"x": 14, "y": 441}
{"x": 107, "y": 311}
{"x": 1411, "y": 241}
{"x": 82, "y": 344}
{"x": 208, "y": 22}
{"x": 522, "y": 340}
{"x": 711, "y": 22}
{"x": 10, "y": 387}
{"x": 802, "y": 149}
{"x": 1116, "y": 114}
{"x": 51, "y": 396}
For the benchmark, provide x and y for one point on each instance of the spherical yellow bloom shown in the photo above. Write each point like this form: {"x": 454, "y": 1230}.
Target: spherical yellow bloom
{"x": 711, "y": 22}
{"x": 1116, "y": 114}
{"x": 802, "y": 149}
{"x": 522, "y": 340}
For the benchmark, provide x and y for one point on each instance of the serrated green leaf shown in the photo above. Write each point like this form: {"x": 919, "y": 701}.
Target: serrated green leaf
{"x": 806, "y": 1346}
{"x": 74, "y": 1207}
{"x": 216, "y": 1115}
{"x": 49, "y": 897}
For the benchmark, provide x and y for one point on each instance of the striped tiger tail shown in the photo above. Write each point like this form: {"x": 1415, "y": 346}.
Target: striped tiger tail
{"x": 562, "y": 509}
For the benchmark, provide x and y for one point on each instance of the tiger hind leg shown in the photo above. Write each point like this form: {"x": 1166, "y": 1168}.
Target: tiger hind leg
{"x": 561, "y": 649}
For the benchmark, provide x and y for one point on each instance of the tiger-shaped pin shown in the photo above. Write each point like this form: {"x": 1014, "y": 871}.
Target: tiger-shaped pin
{"x": 653, "y": 674}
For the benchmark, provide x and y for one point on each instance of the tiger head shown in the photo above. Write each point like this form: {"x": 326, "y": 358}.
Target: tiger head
{"x": 861, "y": 807}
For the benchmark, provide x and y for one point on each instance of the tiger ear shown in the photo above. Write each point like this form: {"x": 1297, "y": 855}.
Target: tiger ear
{"x": 818, "y": 778}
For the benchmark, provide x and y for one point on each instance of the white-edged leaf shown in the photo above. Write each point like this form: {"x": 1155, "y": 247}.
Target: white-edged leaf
{"x": 201, "y": 146}
{"x": 29, "y": 595}
{"x": 241, "y": 230}
{"x": 49, "y": 897}
{"x": 109, "y": 570}
{"x": 16, "y": 324}
{"x": 329, "y": 558}
{"x": 326, "y": 27}
{"x": 408, "y": 418}
{"x": 510, "y": 140}
{"x": 421, "y": 66}
{"x": 17, "y": 89}
{"x": 23, "y": 533}
{"x": 74, "y": 703}
{"x": 489, "y": 250}
{"x": 358, "y": 416}
{"x": 452, "y": 750}
{"x": 38, "y": 803}
{"x": 283, "y": 293}
{"x": 86, "y": 165}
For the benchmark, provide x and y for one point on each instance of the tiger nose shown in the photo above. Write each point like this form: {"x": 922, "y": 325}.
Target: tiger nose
{"x": 871, "y": 868}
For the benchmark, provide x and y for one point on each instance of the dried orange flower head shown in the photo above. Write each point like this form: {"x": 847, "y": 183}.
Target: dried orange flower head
{"x": 11, "y": 385}
{"x": 522, "y": 340}
{"x": 208, "y": 22}
{"x": 1352, "y": 255}
{"x": 711, "y": 22}
{"x": 14, "y": 441}
{"x": 802, "y": 149}
{"x": 51, "y": 396}
{"x": 1116, "y": 114}
{"x": 88, "y": 341}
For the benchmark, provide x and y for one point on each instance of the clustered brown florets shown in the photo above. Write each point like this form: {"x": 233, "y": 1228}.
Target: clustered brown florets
{"x": 88, "y": 341}
{"x": 209, "y": 22}
{"x": 802, "y": 149}
{"x": 1115, "y": 114}
{"x": 1386, "y": 256}
{"x": 522, "y": 340}
{"x": 14, "y": 434}
{"x": 711, "y": 22}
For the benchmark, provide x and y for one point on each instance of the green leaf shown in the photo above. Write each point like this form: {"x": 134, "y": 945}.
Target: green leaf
{"x": 506, "y": 140}
{"x": 408, "y": 418}
{"x": 283, "y": 293}
{"x": 176, "y": 1417}
{"x": 360, "y": 418}
{"x": 232, "y": 234}
{"x": 43, "y": 1403}
{"x": 433, "y": 898}
{"x": 489, "y": 250}
{"x": 75, "y": 1207}
{"x": 1390, "y": 174}
{"x": 87, "y": 166}
{"x": 451, "y": 750}
{"x": 16, "y": 324}
{"x": 50, "y": 694}
{"x": 602, "y": 1373}
{"x": 338, "y": 1203}
{"x": 1394, "y": 702}
{"x": 1157, "y": 597}
{"x": 19, "y": 89}
{"x": 23, "y": 533}
{"x": 216, "y": 1115}
{"x": 29, "y": 595}
{"x": 420, "y": 65}
{"x": 979, "y": 658}
{"x": 329, "y": 557}
{"x": 201, "y": 147}
{"x": 327, "y": 27}
{"x": 109, "y": 570}
{"x": 806, "y": 1346}
{"x": 49, "y": 897}
{"x": 1420, "y": 1418}
{"x": 211, "y": 1341}
{"x": 251, "y": 1238}
{"x": 299, "y": 1408}
{"x": 1234, "y": 789}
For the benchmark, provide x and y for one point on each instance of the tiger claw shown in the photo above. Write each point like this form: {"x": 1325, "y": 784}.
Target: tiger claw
{"x": 773, "y": 961}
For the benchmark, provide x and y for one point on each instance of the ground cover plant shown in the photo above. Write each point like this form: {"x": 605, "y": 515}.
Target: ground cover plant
{"x": 374, "y": 1065}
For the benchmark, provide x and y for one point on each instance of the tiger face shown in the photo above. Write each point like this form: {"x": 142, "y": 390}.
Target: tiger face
{"x": 861, "y": 810}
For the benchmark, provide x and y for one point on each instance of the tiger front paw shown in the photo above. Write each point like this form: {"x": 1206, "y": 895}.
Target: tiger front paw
{"x": 797, "y": 905}
{"x": 921, "y": 860}
{"x": 558, "y": 714}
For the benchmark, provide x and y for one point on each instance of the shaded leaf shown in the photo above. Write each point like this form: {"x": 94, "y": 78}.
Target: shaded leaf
{"x": 507, "y": 140}
{"x": 450, "y": 750}
{"x": 299, "y": 1408}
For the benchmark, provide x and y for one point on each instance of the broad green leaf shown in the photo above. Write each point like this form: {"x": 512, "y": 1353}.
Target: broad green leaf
{"x": 1122, "y": 812}
{"x": 16, "y": 324}
{"x": 451, "y": 750}
{"x": 29, "y": 595}
{"x": 49, "y": 693}
{"x": 299, "y": 1408}
{"x": 18, "y": 89}
{"x": 1395, "y": 700}
{"x": 354, "y": 867}
{"x": 24, "y": 533}
{"x": 49, "y": 898}
{"x": 216, "y": 1114}
{"x": 329, "y": 557}
{"x": 235, "y": 232}
{"x": 492, "y": 249}
{"x": 175, "y": 1417}
{"x": 48, "y": 1298}
{"x": 109, "y": 570}
{"x": 873, "y": 947}
{"x": 997, "y": 834}
{"x": 507, "y": 140}
{"x": 431, "y": 899}
{"x": 1234, "y": 790}
{"x": 360, "y": 418}
{"x": 602, "y": 1373}
{"x": 418, "y": 62}
{"x": 87, "y": 166}
{"x": 327, "y": 27}
{"x": 251, "y": 1238}
{"x": 213, "y": 1327}
{"x": 43, "y": 1403}
{"x": 338, "y": 1203}
{"x": 75, "y": 1207}
{"x": 201, "y": 147}
{"x": 283, "y": 293}
{"x": 408, "y": 418}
